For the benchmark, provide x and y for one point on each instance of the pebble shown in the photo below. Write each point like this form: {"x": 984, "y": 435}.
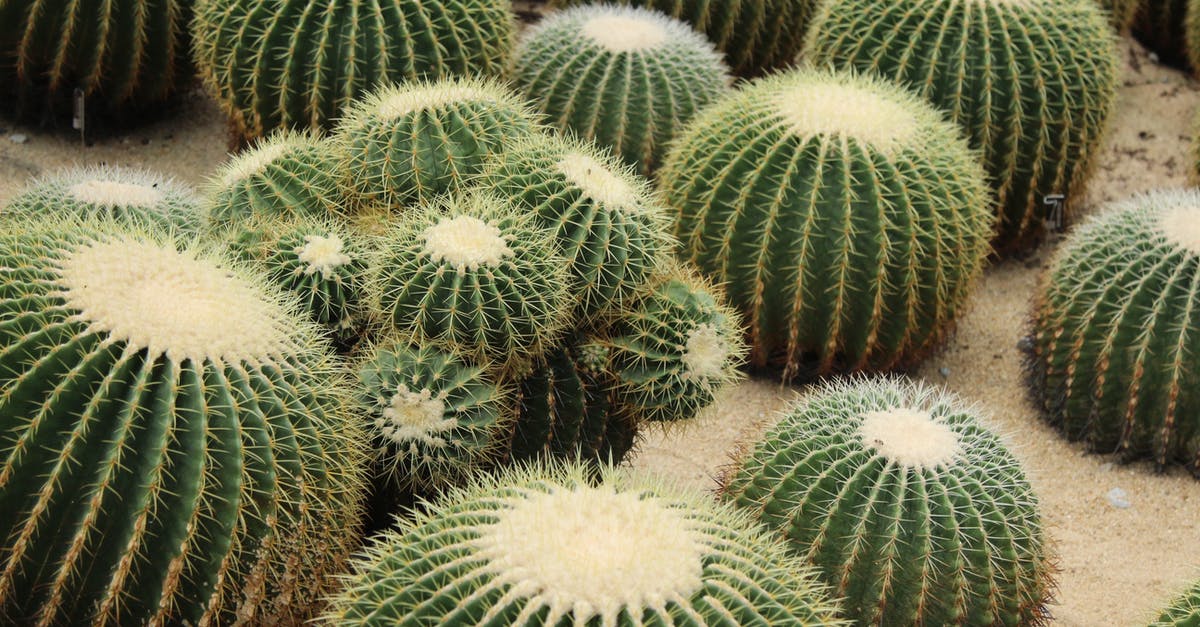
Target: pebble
{"x": 1118, "y": 498}
{"x": 944, "y": 371}
{"x": 18, "y": 138}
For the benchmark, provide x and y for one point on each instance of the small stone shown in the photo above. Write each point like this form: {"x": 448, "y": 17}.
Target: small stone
{"x": 1025, "y": 344}
{"x": 1118, "y": 498}
{"x": 944, "y": 371}
{"x": 1153, "y": 57}
{"x": 18, "y": 138}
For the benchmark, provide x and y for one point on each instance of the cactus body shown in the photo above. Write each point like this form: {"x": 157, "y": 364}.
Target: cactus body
{"x": 544, "y": 546}
{"x": 1121, "y": 13}
{"x": 176, "y": 445}
{"x": 1117, "y": 331}
{"x": 844, "y": 217}
{"x": 757, "y": 36}
{"x": 274, "y": 64}
{"x": 1161, "y": 25}
{"x": 607, "y": 222}
{"x": 288, "y": 175}
{"x": 474, "y": 272}
{"x": 1183, "y": 611}
{"x": 1031, "y": 83}
{"x": 911, "y": 510}
{"x": 627, "y": 79}
{"x": 137, "y": 198}
{"x": 411, "y": 142}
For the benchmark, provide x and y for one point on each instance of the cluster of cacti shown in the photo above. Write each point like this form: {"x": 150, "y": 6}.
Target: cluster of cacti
{"x": 177, "y": 448}
{"x": 757, "y": 36}
{"x": 1162, "y": 26}
{"x": 124, "y": 54}
{"x": 1117, "y": 331}
{"x": 911, "y": 509}
{"x": 1032, "y": 83}
{"x": 623, "y": 77}
{"x": 1184, "y": 611}
{"x": 550, "y": 546}
{"x": 844, "y": 216}
{"x": 274, "y": 63}
{"x": 134, "y": 197}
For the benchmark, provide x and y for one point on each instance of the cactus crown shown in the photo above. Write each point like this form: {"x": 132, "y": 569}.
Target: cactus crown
{"x": 400, "y": 101}
{"x": 323, "y": 254}
{"x": 1181, "y": 226}
{"x": 835, "y": 108}
{"x": 910, "y": 437}
{"x": 465, "y": 242}
{"x": 106, "y": 193}
{"x": 623, "y": 29}
{"x": 253, "y": 161}
{"x": 598, "y": 181}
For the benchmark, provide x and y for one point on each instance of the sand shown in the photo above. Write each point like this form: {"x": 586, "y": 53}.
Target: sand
{"x": 1118, "y": 565}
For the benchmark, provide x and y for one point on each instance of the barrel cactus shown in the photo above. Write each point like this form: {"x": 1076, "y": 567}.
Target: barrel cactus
{"x": 757, "y": 36}
{"x": 410, "y": 142}
{"x": 607, "y": 222}
{"x": 282, "y": 63}
{"x": 1162, "y": 26}
{"x": 138, "y": 198}
{"x": 1121, "y": 13}
{"x": 475, "y": 272}
{"x": 845, "y": 218}
{"x": 177, "y": 445}
{"x": 1183, "y": 611}
{"x": 1032, "y": 83}
{"x": 625, "y": 78}
{"x": 1116, "y": 356}
{"x": 910, "y": 508}
{"x": 546, "y": 545}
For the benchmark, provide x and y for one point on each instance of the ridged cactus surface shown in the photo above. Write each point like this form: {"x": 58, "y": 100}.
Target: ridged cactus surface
{"x": 1121, "y": 12}
{"x": 1117, "y": 330}
{"x": 913, "y": 512}
{"x": 1161, "y": 25}
{"x": 283, "y": 63}
{"x": 1184, "y": 611}
{"x": 844, "y": 217}
{"x": 1032, "y": 83}
{"x": 625, "y": 78}
{"x": 548, "y": 546}
{"x": 176, "y": 444}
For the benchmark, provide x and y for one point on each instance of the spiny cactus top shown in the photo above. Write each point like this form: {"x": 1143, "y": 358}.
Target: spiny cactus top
{"x": 625, "y": 78}
{"x": 845, "y": 218}
{"x": 411, "y": 142}
{"x": 911, "y": 509}
{"x": 1032, "y": 82}
{"x": 1117, "y": 330}
{"x": 283, "y": 63}
{"x": 548, "y": 546}
{"x": 131, "y": 196}
{"x": 1183, "y": 611}
{"x": 757, "y": 36}
{"x": 175, "y": 440}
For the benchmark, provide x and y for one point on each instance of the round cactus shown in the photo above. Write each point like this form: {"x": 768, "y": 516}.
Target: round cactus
{"x": 1031, "y": 82}
{"x": 1117, "y": 330}
{"x": 120, "y": 53}
{"x": 912, "y": 510}
{"x": 1121, "y": 13}
{"x": 625, "y": 78}
{"x": 473, "y": 272}
{"x": 607, "y": 221}
{"x": 177, "y": 446}
{"x": 287, "y": 175}
{"x": 844, "y": 216}
{"x": 282, "y": 63}
{"x": 138, "y": 198}
{"x": 435, "y": 418}
{"x": 757, "y": 36}
{"x": 1183, "y": 611}
{"x": 1161, "y": 25}
{"x": 408, "y": 143}
{"x": 547, "y": 546}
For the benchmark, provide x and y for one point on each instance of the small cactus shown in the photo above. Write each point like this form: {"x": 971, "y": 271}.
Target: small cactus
{"x": 411, "y": 142}
{"x": 845, "y": 218}
{"x": 1116, "y": 356}
{"x": 627, "y": 79}
{"x": 138, "y": 198}
{"x": 1184, "y": 611}
{"x": 546, "y": 545}
{"x": 1032, "y": 83}
{"x": 909, "y": 507}
{"x": 282, "y": 63}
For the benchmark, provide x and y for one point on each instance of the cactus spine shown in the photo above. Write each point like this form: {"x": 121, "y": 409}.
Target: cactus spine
{"x": 910, "y": 509}
{"x": 1183, "y": 611}
{"x": 1121, "y": 13}
{"x": 1162, "y": 26}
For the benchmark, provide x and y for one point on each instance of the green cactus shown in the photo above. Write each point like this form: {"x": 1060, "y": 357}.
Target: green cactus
{"x": 1191, "y": 34}
{"x": 1121, "y": 13}
{"x": 546, "y": 545}
{"x": 1161, "y": 25}
{"x": 138, "y": 198}
{"x": 279, "y": 63}
{"x": 121, "y": 54}
{"x": 177, "y": 445}
{"x": 1116, "y": 351}
{"x": 757, "y": 36}
{"x": 1032, "y": 83}
{"x": 411, "y": 142}
{"x": 845, "y": 218}
{"x": 1183, "y": 611}
{"x": 607, "y": 221}
{"x": 910, "y": 508}
{"x": 625, "y": 78}
{"x": 287, "y": 175}
{"x": 435, "y": 418}
{"x": 475, "y": 272}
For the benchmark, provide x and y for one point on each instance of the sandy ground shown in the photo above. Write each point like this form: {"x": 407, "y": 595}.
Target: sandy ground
{"x": 1118, "y": 565}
